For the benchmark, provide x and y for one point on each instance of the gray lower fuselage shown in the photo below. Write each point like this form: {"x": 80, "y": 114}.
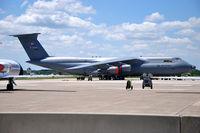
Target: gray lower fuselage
{"x": 158, "y": 66}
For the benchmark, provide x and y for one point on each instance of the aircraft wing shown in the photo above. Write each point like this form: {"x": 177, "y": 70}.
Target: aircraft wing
{"x": 101, "y": 64}
{"x": 178, "y": 78}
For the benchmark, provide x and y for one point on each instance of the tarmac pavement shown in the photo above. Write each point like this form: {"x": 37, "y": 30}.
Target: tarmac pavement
{"x": 168, "y": 97}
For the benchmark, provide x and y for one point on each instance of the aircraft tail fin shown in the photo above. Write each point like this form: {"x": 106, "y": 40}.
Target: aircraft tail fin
{"x": 32, "y": 46}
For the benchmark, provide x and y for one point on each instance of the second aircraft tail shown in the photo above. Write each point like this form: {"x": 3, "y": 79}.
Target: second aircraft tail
{"x": 32, "y": 46}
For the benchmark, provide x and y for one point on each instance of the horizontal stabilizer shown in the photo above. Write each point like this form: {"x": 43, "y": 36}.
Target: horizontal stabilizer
{"x": 26, "y": 35}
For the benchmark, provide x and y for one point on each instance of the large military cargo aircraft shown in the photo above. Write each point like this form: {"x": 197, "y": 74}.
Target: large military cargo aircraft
{"x": 105, "y": 68}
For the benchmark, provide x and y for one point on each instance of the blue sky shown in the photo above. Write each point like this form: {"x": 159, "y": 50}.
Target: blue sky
{"x": 103, "y": 28}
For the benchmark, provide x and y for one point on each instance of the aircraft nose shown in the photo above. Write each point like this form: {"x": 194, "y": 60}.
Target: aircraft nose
{"x": 1, "y": 67}
{"x": 193, "y": 67}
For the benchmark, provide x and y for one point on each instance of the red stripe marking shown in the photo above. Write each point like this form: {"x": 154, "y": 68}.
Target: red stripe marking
{"x": 1, "y": 67}
{"x": 117, "y": 70}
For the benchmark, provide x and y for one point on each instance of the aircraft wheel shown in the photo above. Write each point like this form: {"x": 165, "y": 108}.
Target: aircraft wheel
{"x": 105, "y": 78}
{"x": 115, "y": 77}
{"x": 143, "y": 87}
{"x": 131, "y": 87}
{"x": 100, "y": 77}
{"x": 10, "y": 87}
{"x": 90, "y": 78}
{"x": 151, "y": 86}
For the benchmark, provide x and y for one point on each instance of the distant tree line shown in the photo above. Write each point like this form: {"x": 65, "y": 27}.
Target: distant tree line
{"x": 194, "y": 72}
{"x": 44, "y": 72}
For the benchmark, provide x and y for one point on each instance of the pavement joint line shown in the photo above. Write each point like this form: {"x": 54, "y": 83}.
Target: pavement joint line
{"x": 187, "y": 106}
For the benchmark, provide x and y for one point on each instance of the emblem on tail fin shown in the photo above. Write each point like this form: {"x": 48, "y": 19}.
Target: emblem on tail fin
{"x": 33, "y": 46}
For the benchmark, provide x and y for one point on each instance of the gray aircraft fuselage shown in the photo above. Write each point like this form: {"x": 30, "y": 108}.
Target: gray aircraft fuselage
{"x": 120, "y": 67}
{"x": 158, "y": 66}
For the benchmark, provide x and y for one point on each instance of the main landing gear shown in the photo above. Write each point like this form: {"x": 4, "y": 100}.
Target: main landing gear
{"x": 80, "y": 78}
{"x": 90, "y": 78}
{"x": 10, "y": 84}
{"x": 107, "y": 77}
{"x": 147, "y": 81}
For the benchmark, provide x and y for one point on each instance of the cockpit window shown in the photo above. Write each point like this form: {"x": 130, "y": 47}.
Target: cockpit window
{"x": 167, "y": 61}
{"x": 177, "y": 59}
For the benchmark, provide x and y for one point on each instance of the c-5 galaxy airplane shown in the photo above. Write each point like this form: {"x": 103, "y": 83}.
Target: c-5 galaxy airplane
{"x": 105, "y": 68}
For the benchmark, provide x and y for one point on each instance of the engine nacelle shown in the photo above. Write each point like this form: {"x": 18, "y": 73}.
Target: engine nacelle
{"x": 113, "y": 70}
{"x": 10, "y": 67}
{"x": 96, "y": 72}
{"x": 125, "y": 68}
{"x": 2, "y": 67}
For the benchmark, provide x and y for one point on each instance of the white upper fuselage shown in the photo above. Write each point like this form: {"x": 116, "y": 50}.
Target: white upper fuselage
{"x": 61, "y": 63}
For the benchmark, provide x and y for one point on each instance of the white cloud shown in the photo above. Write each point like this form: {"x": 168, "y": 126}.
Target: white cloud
{"x": 141, "y": 46}
{"x": 67, "y": 40}
{"x": 127, "y": 31}
{"x": 56, "y": 20}
{"x": 24, "y": 3}
{"x": 55, "y": 14}
{"x": 170, "y": 40}
{"x": 197, "y": 36}
{"x": 171, "y": 25}
{"x": 157, "y": 32}
{"x": 50, "y": 14}
{"x": 190, "y": 33}
{"x": 67, "y": 6}
{"x": 133, "y": 47}
{"x": 2, "y": 11}
{"x": 116, "y": 36}
{"x": 195, "y": 22}
{"x": 154, "y": 16}
{"x": 145, "y": 26}
{"x": 191, "y": 47}
{"x": 186, "y": 32}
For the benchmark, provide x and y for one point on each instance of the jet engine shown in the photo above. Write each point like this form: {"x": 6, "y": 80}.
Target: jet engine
{"x": 125, "y": 68}
{"x": 113, "y": 70}
{"x": 96, "y": 72}
{"x": 1, "y": 67}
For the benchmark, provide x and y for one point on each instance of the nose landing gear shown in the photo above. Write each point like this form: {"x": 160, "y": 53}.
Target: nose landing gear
{"x": 10, "y": 84}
